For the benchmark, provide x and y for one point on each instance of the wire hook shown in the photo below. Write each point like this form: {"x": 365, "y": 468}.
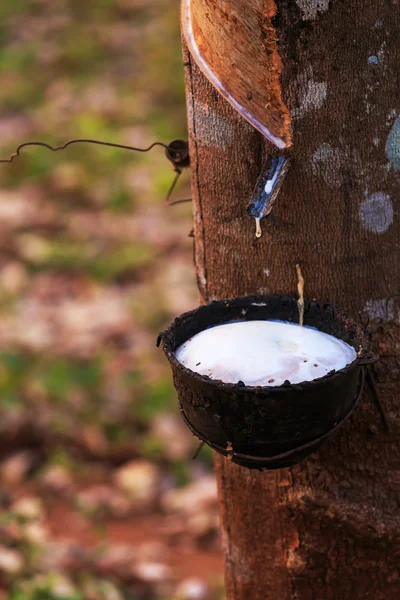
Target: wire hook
{"x": 177, "y": 152}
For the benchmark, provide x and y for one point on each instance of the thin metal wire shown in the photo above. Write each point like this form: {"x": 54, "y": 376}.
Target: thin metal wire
{"x": 196, "y": 454}
{"x": 171, "y": 189}
{"x": 173, "y": 154}
{"x": 377, "y": 398}
{"x": 181, "y": 201}
{"x": 81, "y": 141}
{"x": 173, "y": 184}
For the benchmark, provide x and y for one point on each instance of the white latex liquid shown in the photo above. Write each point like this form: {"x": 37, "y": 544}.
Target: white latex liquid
{"x": 264, "y": 353}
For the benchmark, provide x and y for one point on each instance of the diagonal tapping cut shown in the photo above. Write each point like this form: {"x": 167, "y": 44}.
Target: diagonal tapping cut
{"x": 236, "y": 47}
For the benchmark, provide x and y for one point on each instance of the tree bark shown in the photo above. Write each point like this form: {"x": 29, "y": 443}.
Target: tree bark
{"x": 328, "y": 528}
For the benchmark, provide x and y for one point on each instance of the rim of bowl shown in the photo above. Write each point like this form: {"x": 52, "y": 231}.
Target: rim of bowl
{"x": 364, "y": 356}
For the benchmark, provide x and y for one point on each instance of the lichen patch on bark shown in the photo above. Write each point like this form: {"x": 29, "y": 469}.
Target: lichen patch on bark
{"x": 376, "y": 212}
{"x": 311, "y": 8}
{"x": 393, "y": 145}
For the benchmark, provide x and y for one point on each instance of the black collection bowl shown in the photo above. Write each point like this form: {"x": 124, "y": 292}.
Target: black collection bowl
{"x": 266, "y": 427}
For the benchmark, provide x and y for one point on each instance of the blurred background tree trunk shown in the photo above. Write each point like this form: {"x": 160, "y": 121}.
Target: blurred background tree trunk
{"x": 330, "y": 527}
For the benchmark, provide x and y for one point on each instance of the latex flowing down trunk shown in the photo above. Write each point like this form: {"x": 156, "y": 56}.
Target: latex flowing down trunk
{"x": 328, "y": 528}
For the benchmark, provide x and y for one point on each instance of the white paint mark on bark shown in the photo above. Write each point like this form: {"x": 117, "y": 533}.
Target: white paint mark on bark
{"x": 376, "y": 212}
{"x": 311, "y": 8}
{"x": 267, "y": 272}
{"x": 327, "y": 163}
{"x": 311, "y": 94}
{"x": 381, "y": 53}
{"x": 393, "y": 145}
{"x": 383, "y": 308}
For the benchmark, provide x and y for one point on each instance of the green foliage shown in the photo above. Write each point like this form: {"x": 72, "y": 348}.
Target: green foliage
{"x": 160, "y": 397}
{"x": 152, "y": 448}
{"x": 116, "y": 432}
{"x": 120, "y": 199}
{"x": 181, "y": 472}
{"x": 21, "y": 372}
{"x": 101, "y": 264}
{"x": 29, "y": 591}
{"x": 61, "y": 457}
{"x": 14, "y": 368}
{"x": 206, "y": 456}
{"x": 60, "y": 376}
{"x": 125, "y": 258}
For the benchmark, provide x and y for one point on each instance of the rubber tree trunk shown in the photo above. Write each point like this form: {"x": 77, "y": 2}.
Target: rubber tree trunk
{"x": 328, "y": 528}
